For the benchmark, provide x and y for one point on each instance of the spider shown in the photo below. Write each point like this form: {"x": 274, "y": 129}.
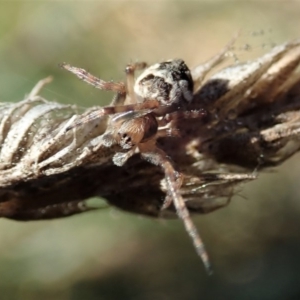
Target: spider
{"x": 144, "y": 110}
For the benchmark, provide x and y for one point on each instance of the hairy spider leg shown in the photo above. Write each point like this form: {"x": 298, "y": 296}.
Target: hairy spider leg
{"x": 118, "y": 87}
{"x": 156, "y": 156}
{"x": 136, "y": 111}
{"x": 98, "y": 83}
{"x": 170, "y": 118}
{"x": 130, "y": 80}
{"x": 188, "y": 114}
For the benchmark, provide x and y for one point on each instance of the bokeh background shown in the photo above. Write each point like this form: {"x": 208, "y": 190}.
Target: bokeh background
{"x": 254, "y": 243}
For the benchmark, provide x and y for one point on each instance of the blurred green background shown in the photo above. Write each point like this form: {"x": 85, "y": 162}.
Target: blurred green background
{"x": 254, "y": 243}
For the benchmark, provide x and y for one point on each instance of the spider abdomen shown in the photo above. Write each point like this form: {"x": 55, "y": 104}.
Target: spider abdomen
{"x": 169, "y": 82}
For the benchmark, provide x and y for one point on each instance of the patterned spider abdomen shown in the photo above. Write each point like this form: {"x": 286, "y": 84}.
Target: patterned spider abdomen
{"x": 169, "y": 82}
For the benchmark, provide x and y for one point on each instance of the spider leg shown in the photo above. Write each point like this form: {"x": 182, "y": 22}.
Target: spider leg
{"x": 130, "y": 69}
{"x": 98, "y": 83}
{"x": 175, "y": 116}
{"x": 156, "y": 156}
{"x": 118, "y": 87}
{"x": 134, "y": 111}
{"x": 170, "y": 131}
{"x": 120, "y": 158}
{"x": 129, "y": 115}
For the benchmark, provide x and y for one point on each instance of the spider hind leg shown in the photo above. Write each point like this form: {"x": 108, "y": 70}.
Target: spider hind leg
{"x": 156, "y": 156}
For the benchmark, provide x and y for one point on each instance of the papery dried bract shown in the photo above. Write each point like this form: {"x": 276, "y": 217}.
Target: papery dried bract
{"x": 253, "y": 121}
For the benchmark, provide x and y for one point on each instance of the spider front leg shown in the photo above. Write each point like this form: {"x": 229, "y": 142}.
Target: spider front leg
{"x": 156, "y": 156}
{"x": 118, "y": 87}
{"x": 134, "y": 111}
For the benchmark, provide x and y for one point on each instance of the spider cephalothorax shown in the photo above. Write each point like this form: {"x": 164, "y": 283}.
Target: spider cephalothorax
{"x": 144, "y": 110}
